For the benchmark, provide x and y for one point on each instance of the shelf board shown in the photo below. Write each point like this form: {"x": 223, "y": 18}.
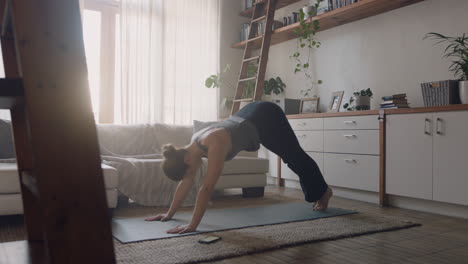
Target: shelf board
{"x": 334, "y": 18}
{"x": 281, "y": 3}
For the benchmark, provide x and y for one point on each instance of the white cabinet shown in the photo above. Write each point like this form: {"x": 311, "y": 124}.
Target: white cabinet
{"x": 346, "y": 149}
{"x": 287, "y": 173}
{"x": 409, "y": 155}
{"x": 450, "y": 157}
{"x": 352, "y": 141}
{"x": 352, "y": 171}
{"x": 427, "y": 156}
{"x": 351, "y": 122}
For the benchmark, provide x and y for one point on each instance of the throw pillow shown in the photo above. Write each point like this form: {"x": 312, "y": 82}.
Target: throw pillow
{"x": 199, "y": 125}
{"x": 6, "y": 140}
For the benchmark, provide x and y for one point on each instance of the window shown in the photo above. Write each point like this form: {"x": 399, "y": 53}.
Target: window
{"x": 4, "y": 114}
{"x": 99, "y": 18}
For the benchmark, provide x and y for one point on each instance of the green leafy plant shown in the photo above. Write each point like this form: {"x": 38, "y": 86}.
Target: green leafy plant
{"x": 350, "y": 106}
{"x": 274, "y": 85}
{"x": 456, "y": 51}
{"x": 306, "y": 42}
{"x": 217, "y": 80}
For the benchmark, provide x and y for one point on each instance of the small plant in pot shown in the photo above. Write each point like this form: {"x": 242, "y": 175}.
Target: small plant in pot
{"x": 457, "y": 52}
{"x": 359, "y": 101}
{"x": 310, "y": 10}
{"x": 274, "y": 86}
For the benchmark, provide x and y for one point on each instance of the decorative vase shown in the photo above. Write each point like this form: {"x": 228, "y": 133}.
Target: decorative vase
{"x": 309, "y": 9}
{"x": 362, "y": 102}
{"x": 463, "y": 89}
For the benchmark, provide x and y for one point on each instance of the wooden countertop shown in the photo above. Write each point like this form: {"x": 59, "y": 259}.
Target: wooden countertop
{"x": 446, "y": 108}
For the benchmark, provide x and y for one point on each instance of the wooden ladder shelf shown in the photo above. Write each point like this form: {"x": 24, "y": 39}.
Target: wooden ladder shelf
{"x": 262, "y": 11}
{"x": 59, "y": 165}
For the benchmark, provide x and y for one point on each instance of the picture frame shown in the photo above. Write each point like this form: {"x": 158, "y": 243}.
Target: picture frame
{"x": 309, "y": 105}
{"x": 335, "y": 101}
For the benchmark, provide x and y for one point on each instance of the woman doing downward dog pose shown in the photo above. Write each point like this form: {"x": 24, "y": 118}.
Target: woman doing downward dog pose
{"x": 257, "y": 123}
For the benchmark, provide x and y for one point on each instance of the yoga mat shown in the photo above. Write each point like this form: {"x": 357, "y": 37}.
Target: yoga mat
{"x": 128, "y": 230}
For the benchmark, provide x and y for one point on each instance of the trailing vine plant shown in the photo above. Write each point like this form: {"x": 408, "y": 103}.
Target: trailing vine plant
{"x": 306, "y": 42}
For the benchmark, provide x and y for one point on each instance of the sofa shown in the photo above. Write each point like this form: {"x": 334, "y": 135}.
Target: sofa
{"x": 131, "y": 163}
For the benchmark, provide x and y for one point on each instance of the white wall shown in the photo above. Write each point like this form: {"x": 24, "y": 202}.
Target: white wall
{"x": 230, "y": 32}
{"x": 385, "y": 52}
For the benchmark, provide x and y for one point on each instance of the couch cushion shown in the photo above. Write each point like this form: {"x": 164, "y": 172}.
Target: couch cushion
{"x": 6, "y": 140}
{"x": 9, "y": 181}
{"x": 177, "y": 135}
{"x": 127, "y": 140}
{"x": 246, "y": 165}
{"x": 199, "y": 125}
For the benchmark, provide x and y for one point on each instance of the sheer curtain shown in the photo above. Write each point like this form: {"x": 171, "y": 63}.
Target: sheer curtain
{"x": 168, "y": 48}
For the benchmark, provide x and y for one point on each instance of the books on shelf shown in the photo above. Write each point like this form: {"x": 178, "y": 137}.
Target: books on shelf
{"x": 244, "y": 34}
{"x": 246, "y": 4}
{"x": 394, "y": 102}
{"x": 334, "y": 4}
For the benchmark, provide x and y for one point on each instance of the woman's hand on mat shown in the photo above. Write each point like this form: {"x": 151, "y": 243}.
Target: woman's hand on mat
{"x": 181, "y": 229}
{"x": 159, "y": 217}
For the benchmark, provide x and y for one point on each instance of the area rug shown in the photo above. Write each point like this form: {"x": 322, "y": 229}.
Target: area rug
{"x": 241, "y": 241}
{"x": 136, "y": 229}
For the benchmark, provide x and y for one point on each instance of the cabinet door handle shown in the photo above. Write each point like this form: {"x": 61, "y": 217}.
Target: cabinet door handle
{"x": 301, "y": 136}
{"x": 439, "y": 128}
{"x": 349, "y": 122}
{"x": 350, "y": 160}
{"x": 426, "y": 131}
{"x": 349, "y": 136}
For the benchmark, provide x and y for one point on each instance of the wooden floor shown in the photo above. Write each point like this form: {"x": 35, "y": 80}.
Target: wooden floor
{"x": 439, "y": 240}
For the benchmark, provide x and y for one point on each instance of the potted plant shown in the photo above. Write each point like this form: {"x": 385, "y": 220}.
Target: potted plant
{"x": 274, "y": 86}
{"x": 457, "y": 51}
{"x": 306, "y": 43}
{"x": 359, "y": 101}
{"x": 219, "y": 81}
{"x": 309, "y": 10}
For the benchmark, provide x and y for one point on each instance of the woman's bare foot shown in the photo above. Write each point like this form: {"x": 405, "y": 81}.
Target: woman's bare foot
{"x": 322, "y": 204}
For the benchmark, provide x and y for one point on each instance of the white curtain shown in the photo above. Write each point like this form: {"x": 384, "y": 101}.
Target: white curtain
{"x": 168, "y": 48}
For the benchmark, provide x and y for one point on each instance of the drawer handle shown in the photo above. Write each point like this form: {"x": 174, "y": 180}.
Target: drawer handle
{"x": 302, "y": 124}
{"x": 301, "y": 136}
{"x": 349, "y": 122}
{"x": 427, "y": 123}
{"x": 349, "y": 136}
{"x": 439, "y": 126}
{"x": 350, "y": 160}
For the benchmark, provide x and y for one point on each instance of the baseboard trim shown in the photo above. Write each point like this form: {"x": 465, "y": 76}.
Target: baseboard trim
{"x": 428, "y": 206}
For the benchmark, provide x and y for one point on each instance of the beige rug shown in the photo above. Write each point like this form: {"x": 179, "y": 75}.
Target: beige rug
{"x": 238, "y": 242}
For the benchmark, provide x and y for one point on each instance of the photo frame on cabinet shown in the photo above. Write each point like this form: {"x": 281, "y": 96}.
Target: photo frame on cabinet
{"x": 335, "y": 101}
{"x": 309, "y": 105}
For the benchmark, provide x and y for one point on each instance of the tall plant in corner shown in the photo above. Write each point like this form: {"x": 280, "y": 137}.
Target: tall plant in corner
{"x": 306, "y": 42}
{"x": 457, "y": 52}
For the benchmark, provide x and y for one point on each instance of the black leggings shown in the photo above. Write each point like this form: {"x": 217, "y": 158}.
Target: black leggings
{"x": 276, "y": 134}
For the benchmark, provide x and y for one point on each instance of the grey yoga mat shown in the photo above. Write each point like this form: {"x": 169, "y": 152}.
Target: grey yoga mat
{"x": 128, "y": 230}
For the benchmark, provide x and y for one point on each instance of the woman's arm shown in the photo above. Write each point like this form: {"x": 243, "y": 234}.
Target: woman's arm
{"x": 216, "y": 154}
{"x": 180, "y": 194}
